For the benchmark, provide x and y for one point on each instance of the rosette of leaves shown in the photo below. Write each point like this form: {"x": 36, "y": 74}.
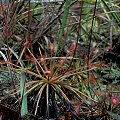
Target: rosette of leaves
{"x": 49, "y": 86}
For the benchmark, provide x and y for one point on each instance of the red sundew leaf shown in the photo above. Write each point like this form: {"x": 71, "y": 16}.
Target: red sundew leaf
{"x": 17, "y": 37}
{"x": 4, "y": 7}
{"x": 91, "y": 80}
{"x": 99, "y": 65}
{"x": 70, "y": 70}
{"x": 42, "y": 59}
{"x": 33, "y": 24}
{"x": 49, "y": 73}
{"x": 63, "y": 69}
{"x": 60, "y": 63}
{"x": 114, "y": 100}
{"x": 26, "y": 44}
{"x": 86, "y": 58}
{"x": 73, "y": 47}
{"x": 52, "y": 47}
{"x": 30, "y": 58}
{"x": 105, "y": 65}
{"x": 66, "y": 70}
{"x": 27, "y": 56}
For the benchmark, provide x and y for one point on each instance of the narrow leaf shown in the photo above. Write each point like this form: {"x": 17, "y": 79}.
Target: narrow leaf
{"x": 114, "y": 115}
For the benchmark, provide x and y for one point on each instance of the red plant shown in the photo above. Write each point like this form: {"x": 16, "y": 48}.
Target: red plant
{"x": 72, "y": 48}
{"x": 114, "y": 100}
{"x": 4, "y": 7}
{"x": 27, "y": 44}
{"x": 91, "y": 80}
{"x": 101, "y": 64}
{"x": 30, "y": 58}
{"x": 52, "y": 47}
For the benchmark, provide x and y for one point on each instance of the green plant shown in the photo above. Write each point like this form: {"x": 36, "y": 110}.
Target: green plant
{"x": 52, "y": 53}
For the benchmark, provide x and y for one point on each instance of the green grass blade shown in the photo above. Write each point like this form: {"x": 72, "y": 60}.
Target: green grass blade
{"x": 114, "y": 115}
{"x": 114, "y": 14}
{"x": 65, "y": 16}
{"x": 24, "y": 108}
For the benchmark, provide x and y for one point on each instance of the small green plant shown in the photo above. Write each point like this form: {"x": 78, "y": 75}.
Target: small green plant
{"x": 53, "y": 82}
